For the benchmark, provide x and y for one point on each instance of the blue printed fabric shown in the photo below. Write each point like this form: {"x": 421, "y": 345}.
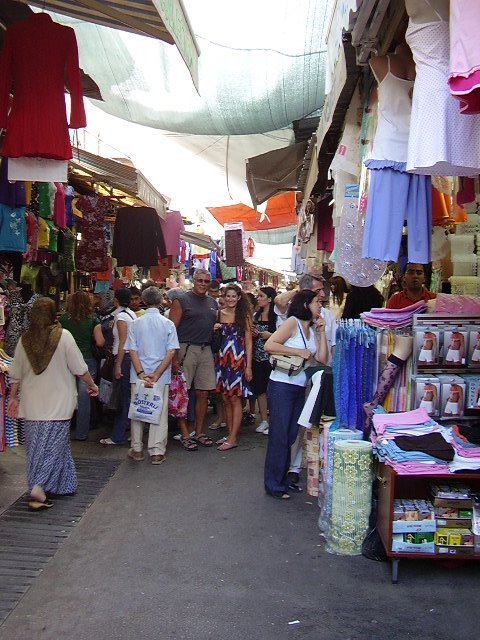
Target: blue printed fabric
{"x": 49, "y": 459}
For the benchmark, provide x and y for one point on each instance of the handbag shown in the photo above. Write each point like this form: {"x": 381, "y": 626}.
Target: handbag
{"x": 216, "y": 339}
{"x": 106, "y": 368}
{"x": 289, "y": 364}
{"x": 146, "y": 403}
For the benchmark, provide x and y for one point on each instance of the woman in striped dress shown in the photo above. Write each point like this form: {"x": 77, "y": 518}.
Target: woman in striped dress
{"x": 233, "y": 363}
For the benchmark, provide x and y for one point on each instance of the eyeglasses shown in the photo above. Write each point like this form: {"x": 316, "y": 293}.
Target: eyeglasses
{"x": 202, "y": 281}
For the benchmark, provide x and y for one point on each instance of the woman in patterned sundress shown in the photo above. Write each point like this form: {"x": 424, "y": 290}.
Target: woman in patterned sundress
{"x": 233, "y": 363}
{"x": 44, "y": 393}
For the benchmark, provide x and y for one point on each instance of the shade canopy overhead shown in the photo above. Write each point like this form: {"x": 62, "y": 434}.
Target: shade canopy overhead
{"x": 262, "y": 66}
{"x": 166, "y": 20}
{"x": 275, "y": 171}
{"x": 280, "y": 212}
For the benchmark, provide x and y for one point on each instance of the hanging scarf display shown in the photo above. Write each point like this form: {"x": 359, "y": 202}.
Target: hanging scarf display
{"x": 353, "y": 367}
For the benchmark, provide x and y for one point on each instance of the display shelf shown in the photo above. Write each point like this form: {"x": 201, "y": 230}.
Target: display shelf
{"x": 393, "y": 485}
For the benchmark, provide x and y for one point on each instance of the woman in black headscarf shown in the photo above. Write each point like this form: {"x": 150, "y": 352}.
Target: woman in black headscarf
{"x": 43, "y": 392}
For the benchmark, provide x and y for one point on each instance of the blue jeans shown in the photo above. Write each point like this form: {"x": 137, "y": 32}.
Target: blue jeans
{"x": 285, "y": 402}
{"x": 121, "y": 418}
{"x": 83, "y": 409}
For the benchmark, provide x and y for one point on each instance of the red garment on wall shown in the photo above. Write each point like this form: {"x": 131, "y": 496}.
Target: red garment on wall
{"x": 37, "y": 56}
{"x": 92, "y": 248}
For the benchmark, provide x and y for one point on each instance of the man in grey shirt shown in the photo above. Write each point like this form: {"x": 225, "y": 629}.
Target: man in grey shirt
{"x": 194, "y": 315}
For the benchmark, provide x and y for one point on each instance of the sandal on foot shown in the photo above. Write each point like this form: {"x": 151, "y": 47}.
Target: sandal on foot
{"x": 281, "y": 495}
{"x": 218, "y": 425}
{"x": 108, "y": 441}
{"x": 221, "y": 440}
{"x": 226, "y": 446}
{"x": 203, "y": 440}
{"x": 188, "y": 444}
{"x": 36, "y": 505}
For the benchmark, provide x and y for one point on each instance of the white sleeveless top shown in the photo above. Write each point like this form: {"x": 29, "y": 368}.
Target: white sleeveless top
{"x": 394, "y": 110}
{"x": 442, "y": 141}
{"x": 296, "y": 342}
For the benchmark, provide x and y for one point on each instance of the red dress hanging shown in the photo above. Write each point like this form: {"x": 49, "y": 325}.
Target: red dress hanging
{"x": 38, "y": 55}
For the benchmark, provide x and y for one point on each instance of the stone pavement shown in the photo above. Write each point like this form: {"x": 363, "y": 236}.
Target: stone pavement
{"x": 194, "y": 549}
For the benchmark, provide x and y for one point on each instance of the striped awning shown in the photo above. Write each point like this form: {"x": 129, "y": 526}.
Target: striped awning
{"x": 114, "y": 179}
{"x": 166, "y": 20}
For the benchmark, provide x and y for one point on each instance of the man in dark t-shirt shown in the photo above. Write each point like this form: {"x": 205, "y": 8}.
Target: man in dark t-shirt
{"x": 194, "y": 315}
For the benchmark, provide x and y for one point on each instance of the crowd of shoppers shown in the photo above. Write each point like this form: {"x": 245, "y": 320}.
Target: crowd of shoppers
{"x": 162, "y": 344}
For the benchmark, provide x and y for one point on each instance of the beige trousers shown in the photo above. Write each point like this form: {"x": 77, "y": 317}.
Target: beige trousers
{"x": 157, "y": 433}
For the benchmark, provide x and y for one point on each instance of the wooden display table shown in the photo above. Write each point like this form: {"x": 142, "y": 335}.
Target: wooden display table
{"x": 393, "y": 486}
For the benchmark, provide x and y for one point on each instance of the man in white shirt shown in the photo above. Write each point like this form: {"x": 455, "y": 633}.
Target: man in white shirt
{"x": 152, "y": 342}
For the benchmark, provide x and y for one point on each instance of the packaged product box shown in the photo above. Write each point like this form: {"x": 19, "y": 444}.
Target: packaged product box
{"x": 453, "y": 504}
{"x": 455, "y": 347}
{"x": 453, "y": 517}
{"x": 454, "y": 491}
{"x": 454, "y": 551}
{"x": 453, "y": 523}
{"x": 426, "y": 394}
{"x": 474, "y": 347}
{"x": 453, "y": 398}
{"x": 400, "y": 546}
{"x": 453, "y": 537}
{"x": 427, "y": 348}
{"x": 413, "y": 516}
{"x": 472, "y": 393}
{"x": 418, "y": 538}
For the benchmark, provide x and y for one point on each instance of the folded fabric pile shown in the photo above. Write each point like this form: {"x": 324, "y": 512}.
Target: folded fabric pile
{"x": 393, "y": 318}
{"x": 412, "y": 443}
{"x": 465, "y": 440}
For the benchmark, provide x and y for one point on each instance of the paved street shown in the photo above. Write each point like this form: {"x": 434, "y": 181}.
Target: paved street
{"x": 194, "y": 549}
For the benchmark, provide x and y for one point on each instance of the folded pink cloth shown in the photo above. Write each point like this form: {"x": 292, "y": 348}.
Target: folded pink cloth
{"x": 458, "y": 305}
{"x": 466, "y": 452}
{"x": 382, "y": 420}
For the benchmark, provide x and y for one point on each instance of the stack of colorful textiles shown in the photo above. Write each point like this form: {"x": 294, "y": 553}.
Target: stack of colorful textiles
{"x": 465, "y": 440}
{"x": 393, "y": 318}
{"x": 411, "y": 442}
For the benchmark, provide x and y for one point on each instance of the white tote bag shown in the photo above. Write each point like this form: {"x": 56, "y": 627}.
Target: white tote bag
{"x": 146, "y": 403}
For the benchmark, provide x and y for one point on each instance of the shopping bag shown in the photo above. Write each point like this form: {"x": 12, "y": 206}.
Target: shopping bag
{"x": 178, "y": 396}
{"x": 104, "y": 391}
{"x": 146, "y": 403}
{"x": 116, "y": 400}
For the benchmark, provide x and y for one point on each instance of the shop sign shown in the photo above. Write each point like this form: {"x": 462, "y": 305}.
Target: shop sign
{"x": 175, "y": 19}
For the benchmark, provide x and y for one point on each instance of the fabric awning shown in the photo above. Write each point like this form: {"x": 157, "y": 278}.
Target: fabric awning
{"x": 280, "y": 212}
{"x": 166, "y": 20}
{"x": 200, "y": 239}
{"x": 262, "y": 265}
{"x": 115, "y": 178}
{"x": 275, "y": 171}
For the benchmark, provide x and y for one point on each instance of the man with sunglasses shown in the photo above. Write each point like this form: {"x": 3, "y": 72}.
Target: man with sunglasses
{"x": 194, "y": 315}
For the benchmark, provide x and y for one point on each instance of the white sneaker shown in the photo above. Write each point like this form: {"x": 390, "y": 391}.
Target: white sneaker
{"x": 179, "y": 436}
{"x": 262, "y": 427}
